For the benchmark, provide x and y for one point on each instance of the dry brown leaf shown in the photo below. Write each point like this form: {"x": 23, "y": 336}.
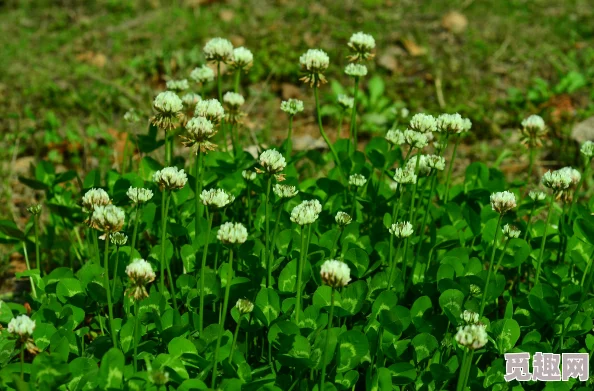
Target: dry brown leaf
{"x": 226, "y": 15}
{"x": 413, "y": 48}
{"x": 455, "y": 22}
{"x": 92, "y": 58}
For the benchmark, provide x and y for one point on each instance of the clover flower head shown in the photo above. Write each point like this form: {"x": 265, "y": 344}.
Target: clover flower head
{"x": 35, "y": 209}
{"x": 292, "y": 106}
{"x": 170, "y": 178}
{"x": 510, "y": 232}
{"x": 335, "y": 274}
{"x": 395, "y": 137}
{"x": 131, "y": 116}
{"x": 403, "y": 176}
{"x": 108, "y": 218}
{"x": 343, "y": 219}
{"x": 211, "y": 109}
{"x": 469, "y": 317}
{"x": 573, "y": 174}
{"x": 453, "y": 123}
{"x": 503, "y": 201}
{"x": 361, "y": 45}
{"x": 355, "y": 70}
{"x": 306, "y": 212}
{"x": 159, "y": 377}
{"x": 94, "y": 198}
{"x": 436, "y": 162}
{"x": 272, "y": 162}
{"x": 439, "y": 147}
{"x": 140, "y": 273}
{"x": 169, "y": 110}
{"x": 232, "y": 233}
{"x": 284, "y": 191}
{"x": 191, "y": 99}
{"x": 345, "y": 102}
{"x": 21, "y": 326}
{"x": 241, "y": 58}
{"x": 401, "y": 230}
{"x": 138, "y": 195}
{"x": 218, "y": 50}
{"x": 216, "y": 198}
{"x": 118, "y": 239}
{"x": 556, "y": 180}
{"x": 472, "y": 336}
{"x": 357, "y": 180}
{"x": 177, "y": 85}
{"x": 415, "y": 139}
{"x": 533, "y": 130}
{"x": 423, "y": 169}
{"x": 423, "y": 123}
{"x": 233, "y": 99}
{"x": 314, "y": 62}
{"x": 202, "y": 74}
{"x": 244, "y": 306}
{"x": 537, "y": 195}
{"x": 199, "y": 132}
{"x": 587, "y": 149}
{"x": 534, "y": 122}
{"x": 248, "y": 175}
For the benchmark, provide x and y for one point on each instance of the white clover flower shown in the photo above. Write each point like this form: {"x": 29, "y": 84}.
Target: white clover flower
{"x": 248, "y": 175}
{"x": 199, "y": 132}
{"x": 306, "y": 212}
{"x": 335, "y": 273}
{"x": 587, "y": 149}
{"x": 423, "y": 123}
{"x": 404, "y": 176}
{"x": 119, "y": 239}
{"x": 314, "y": 62}
{"x": 439, "y": 147}
{"x": 210, "y": 109}
{"x": 472, "y": 336}
{"x": 537, "y": 195}
{"x": 423, "y": 168}
{"x": 170, "y": 178}
{"x": 415, "y": 139}
{"x": 190, "y": 99}
{"x": 94, "y": 198}
{"x": 131, "y": 116}
{"x": 177, "y": 85}
{"x": 140, "y": 273}
{"x": 139, "y": 195}
{"x": 202, "y": 74}
{"x": 436, "y": 162}
{"x": 556, "y": 180}
{"x": 292, "y": 106}
{"x": 218, "y": 50}
{"x": 241, "y": 58}
{"x": 345, "y": 101}
{"x": 216, "y": 198}
{"x": 395, "y": 137}
{"x": 533, "y": 130}
{"x": 453, "y": 123}
{"x": 233, "y": 99}
{"x": 401, "y": 230}
{"x": 503, "y": 201}
{"x": 108, "y": 218}
{"x": 469, "y": 317}
{"x": 343, "y": 219}
{"x": 361, "y": 44}
{"x": 573, "y": 174}
{"x": 534, "y": 122}
{"x": 272, "y": 162}
{"x": 404, "y": 112}
{"x": 21, "y": 326}
{"x": 244, "y": 306}
{"x": 285, "y": 191}
{"x": 355, "y": 70}
{"x": 232, "y": 233}
{"x": 35, "y": 209}
{"x": 357, "y": 180}
{"x": 169, "y": 110}
{"x": 510, "y": 232}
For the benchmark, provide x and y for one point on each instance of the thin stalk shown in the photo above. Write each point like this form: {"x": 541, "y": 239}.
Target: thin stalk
{"x": 323, "y": 133}
{"x": 354, "y": 204}
{"x": 115, "y": 270}
{"x": 203, "y": 269}
{"x": 336, "y": 241}
{"x": 136, "y": 335}
{"x": 95, "y": 244}
{"x": 289, "y": 138}
{"x": 544, "y": 239}
{"x": 578, "y": 188}
{"x": 37, "y": 250}
{"x": 529, "y": 220}
{"x": 325, "y": 353}
{"x": 467, "y": 370}
{"x": 424, "y": 224}
{"x": 393, "y": 265}
{"x": 163, "y": 237}
{"x": 340, "y": 119}
{"x": 249, "y": 206}
{"x": 167, "y": 149}
{"x": 33, "y": 290}
{"x": 500, "y": 258}
{"x": 223, "y": 317}
{"x": 237, "y": 80}
{"x": 447, "y": 185}
{"x": 410, "y": 218}
{"x": 271, "y": 255}
{"x": 462, "y": 369}
{"x": 267, "y": 238}
{"x": 483, "y": 300}
{"x": 354, "y": 114}
{"x": 23, "y": 361}
{"x": 235, "y": 335}
{"x": 299, "y": 276}
{"x": 197, "y": 191}
{"x": 106, "y": 284}
{"x": 531, "y": 163}
{"x": 135, "y": 231}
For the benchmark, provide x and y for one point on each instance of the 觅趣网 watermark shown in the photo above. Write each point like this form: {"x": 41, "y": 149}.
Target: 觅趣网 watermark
{"x": 545, "y": 366}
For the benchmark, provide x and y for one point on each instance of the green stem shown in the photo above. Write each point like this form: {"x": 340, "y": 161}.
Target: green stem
{"x": 544, "y": 239}
{"x": 529, "y": 220}
{"x": 163, "y": 237}
{"x": 483, "y": 300}
{"x": 325, "y": 353}
{"x": 290, "y": 138}
{"x": 467, "y": 369}
{"x": 235, "y": 335}
{"x": 197, "y": 191}
{"x": 37, "y": 250}
{"x": 23, "y": 361}
{"x": 33, "y": 290}
{"x": 249, "y": 206}
{"x": 336, "y": 241}
{"x": 115, "y": 271}
{"x": 106, "y": 285}
{"x": 354, "y": 114}
{"x": 450, "y": 168}
{"x": 299, "y": 276}
{"x": 223, "y": 317}
{"x": 136, "y": 335}
{"x": 237, "y": 79}
{"x": 531, "y": 164}
{"x": 267, "y": 238}
{"x": 462, "y": 371}
{"x": 203, "y": 269}
{"x": 95, "y": 244}
{"x": 393, "y": 266}
{"x": 578, "y": 188}
{"x": 323, "y": 133}
{"x": 271, "y": 255}
{"x": 500, "y": 258}
{"x": 135, "y": 231}
{"x": 424, "y": 224}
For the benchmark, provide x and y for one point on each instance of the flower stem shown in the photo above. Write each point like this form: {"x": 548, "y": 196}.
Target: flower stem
{"x": 23, "y": 362}
{"x": 271, "y": 255}
{"x": 267, "y": 238}
{"x": 33, "y": 290}
{"x": 483, "y": 300}
{"x": 544, "y": 239}
{"x": 323, "y": 133}
{"x": 95, "y": 245}
{"x": 135, "y": 231}
{"x": 467, "y": 363}
{"x": 354, "y": 114}
{"x": 531, "y": 164}
{"x": 578, "y": 188}
{"x": 115, "y": 270}
{"x": 325, "y": 353}
{"x": 167, "y": 264}
{"x": 299, "y": 276}
{"x": 197, "y": 191}
{"x": 203, "y": 269}
{"x": 106, "y": 285}
{"x": 235, "y": 338}
{"x": 529, "y": 220}
{"x": 447, "y": 185}
{"x": 237, "y": 79}
{"x": 424, "y": 224}
{"x": 136, "y": 335}
{"x": 163, "y": 237}
{"x": 393, "y": 265}
{"x": 290, "y": 138}
{"x": 37, "y": 250}
{"x": 223, "y": 317}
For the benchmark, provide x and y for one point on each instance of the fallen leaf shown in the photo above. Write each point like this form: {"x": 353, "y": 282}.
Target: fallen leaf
{"x": 455, "y": 22}
{"x": 413, "y": 48}
{"x": 226, "y": 15}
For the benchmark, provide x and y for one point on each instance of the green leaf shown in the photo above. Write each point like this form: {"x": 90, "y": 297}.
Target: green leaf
{"x": 506, "y": 333}
{"x": 424, "y": 344}
{"x": 111, "y": 373}
{"x": 450, "y": 302}
{"x": 358, "y": 261}
{"x": 5, "y": 313}
{"x": 352, "y": 346}
{"x": 268, "y": 304}
{"x": 403, "y": 373}
{"x": 353, "y": 296}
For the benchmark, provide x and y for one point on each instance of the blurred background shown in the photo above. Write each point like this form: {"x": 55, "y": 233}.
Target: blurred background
{"x": 70, "y": 70}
